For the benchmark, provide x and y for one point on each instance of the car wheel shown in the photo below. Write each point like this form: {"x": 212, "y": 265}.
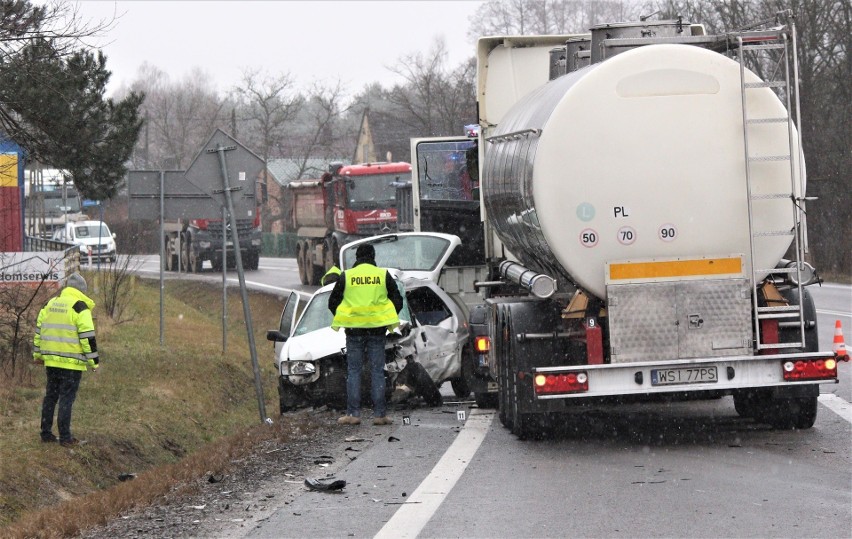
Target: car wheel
{"x": 423, "y": 384}
{"x": 460, "y": 387}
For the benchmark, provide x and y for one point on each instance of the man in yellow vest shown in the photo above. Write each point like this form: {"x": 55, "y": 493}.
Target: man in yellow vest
{"x": 366, "y": 302}
{"x": 65, "y": 342}
{"x": 331, "y": 276}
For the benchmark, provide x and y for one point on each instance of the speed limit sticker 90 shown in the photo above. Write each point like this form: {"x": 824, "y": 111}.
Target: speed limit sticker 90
{"x": 589, "y": 237}
{"x": 667, "y": 232}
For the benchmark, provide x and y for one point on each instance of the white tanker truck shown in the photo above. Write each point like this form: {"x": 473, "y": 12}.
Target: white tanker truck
{"x": 640, "y": 190}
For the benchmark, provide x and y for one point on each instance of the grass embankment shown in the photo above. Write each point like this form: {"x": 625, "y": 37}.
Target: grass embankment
{"x": 148, "y": 408}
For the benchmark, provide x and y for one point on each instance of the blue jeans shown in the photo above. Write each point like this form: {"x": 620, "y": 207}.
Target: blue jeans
{"x": 357, "y": 347}
{"x": 62, "y": 385}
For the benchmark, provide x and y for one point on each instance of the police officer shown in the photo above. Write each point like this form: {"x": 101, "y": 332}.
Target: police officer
{"x": 65, "y": 342}
{"x": 331, "y": 276}
{"x": 366, "y": 302}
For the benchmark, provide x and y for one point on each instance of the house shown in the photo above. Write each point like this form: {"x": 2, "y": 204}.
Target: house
{"x": 382, "y": 137}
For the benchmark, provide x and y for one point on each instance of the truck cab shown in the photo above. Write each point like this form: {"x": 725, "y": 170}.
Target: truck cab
{"x": 347, "y": 203}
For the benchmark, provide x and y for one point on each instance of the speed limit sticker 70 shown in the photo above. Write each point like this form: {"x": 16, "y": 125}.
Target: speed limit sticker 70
{"x": 589, "y": 237}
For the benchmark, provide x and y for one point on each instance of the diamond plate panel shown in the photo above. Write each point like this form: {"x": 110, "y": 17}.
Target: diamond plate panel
{"x": 642, "y": 321}
{"x": 715, "y": 318}
{"x": 679, "y": 320}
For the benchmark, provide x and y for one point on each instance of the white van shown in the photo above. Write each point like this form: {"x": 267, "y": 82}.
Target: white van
{"x": 89, "y": 235}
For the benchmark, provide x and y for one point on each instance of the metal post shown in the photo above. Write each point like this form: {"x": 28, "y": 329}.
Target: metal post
{"x": 162, "y": 253}
{"x": 100, "y": 229}
{"x": 238, "y": 257}
{"x": 224, "y": 280}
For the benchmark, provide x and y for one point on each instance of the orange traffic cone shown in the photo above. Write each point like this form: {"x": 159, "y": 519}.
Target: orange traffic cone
{"x": 839, "y": 343}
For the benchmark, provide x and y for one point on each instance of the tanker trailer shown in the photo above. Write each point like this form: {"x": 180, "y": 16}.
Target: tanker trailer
{"x": 645, "y": 204}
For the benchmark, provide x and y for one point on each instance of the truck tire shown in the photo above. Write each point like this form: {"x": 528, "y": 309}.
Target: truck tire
{"x": 171, "y": 259}
{"x": 316, "y": 278}
{"x": 486, "y": 400}
{"x": 787, "y": 414}
{"x": 423, "y": 384}
{"x": 330, "y": 254}
{"x": 300, "y": 261}
{"x": 500, "y": 344}
{"x": 194, "y": 262}
{"x": 252, "y": 261}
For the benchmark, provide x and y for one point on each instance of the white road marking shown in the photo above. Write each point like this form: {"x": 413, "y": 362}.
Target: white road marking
{"x": 837, "y": 405}
{"x": 410, "y": 518}
{"x": 834, "y": 313}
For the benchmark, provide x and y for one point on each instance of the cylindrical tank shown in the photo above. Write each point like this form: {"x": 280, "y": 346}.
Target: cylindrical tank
{"x": 639, "y": 157}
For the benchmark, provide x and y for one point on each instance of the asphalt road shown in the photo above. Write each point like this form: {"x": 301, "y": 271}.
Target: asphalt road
{"x": 688, "y": 469}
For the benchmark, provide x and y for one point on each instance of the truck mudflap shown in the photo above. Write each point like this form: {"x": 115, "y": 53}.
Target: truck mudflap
{"x": 711, "y": 375}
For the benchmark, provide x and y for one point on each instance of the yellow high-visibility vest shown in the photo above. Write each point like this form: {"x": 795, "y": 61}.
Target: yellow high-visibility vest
{"x": 365, "y": 300}
{"x": 62, "y": 337}
{"x": 334, "y": 270}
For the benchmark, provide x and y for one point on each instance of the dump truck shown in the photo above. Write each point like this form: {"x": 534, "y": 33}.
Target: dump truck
{"x": 349, "y": 202}
{"x": 189, "y": 242}
{"x": 639, "y": 232}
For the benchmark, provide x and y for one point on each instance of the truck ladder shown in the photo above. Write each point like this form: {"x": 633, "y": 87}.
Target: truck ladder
{"x": 780, "y": 40}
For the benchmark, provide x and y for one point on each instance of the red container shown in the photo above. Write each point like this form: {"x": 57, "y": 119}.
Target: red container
{"x": 11, "y": 219}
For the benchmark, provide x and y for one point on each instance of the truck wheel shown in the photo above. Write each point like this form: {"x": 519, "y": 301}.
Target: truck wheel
{"x": 486, "y": 400}
{"x": 316, "y": 278}
{"x": 171, "y": 262}
{"x": 252, "y": 261}
{"x": 288, "y": 396}
{"x": 786, "y": 414}
{"x": 194, "y": 262}
{"x": 331, "y": 253}
{"x": 500, "y": 350}
{"x": 300, "y": 261}
{"x": 184, "y": 254}
{"x": 423, "y": 384}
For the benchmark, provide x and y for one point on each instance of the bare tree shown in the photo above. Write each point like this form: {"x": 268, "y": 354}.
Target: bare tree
{"x": 267, "y": 105}
{"x": 434, "y": 101}
{"x": 179, "y": 117}
{"x": 525, "y": 17}
{"x": 317, "y": 132}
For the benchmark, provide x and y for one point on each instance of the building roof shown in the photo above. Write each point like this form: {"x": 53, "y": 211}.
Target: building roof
{"x": 286, "y": 170}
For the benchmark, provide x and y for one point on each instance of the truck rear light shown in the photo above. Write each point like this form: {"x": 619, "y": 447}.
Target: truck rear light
{"x": 549, "y": 384}
{"x": 482, "y": 344}
{"x": 256, "y": 222}
{"x": 820, "y": 369}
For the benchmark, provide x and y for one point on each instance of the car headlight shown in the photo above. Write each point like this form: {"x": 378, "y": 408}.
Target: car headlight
{"x": 302, "y": 368}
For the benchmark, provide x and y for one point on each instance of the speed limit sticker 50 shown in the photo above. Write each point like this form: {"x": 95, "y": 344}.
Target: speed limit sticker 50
{"x": 589, "y": 237}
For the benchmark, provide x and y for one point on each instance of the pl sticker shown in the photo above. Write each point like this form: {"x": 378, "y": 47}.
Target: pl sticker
{"x": 585, "y": 212}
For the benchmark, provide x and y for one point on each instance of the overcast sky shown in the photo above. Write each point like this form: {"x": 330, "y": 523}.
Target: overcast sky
{"x": 314, "y": 41}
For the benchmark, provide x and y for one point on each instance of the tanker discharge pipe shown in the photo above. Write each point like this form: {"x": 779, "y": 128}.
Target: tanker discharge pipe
{"x": 540, "y": 285}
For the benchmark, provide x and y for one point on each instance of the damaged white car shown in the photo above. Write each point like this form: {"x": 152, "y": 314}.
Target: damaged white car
{"x": 423, "y": 353}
